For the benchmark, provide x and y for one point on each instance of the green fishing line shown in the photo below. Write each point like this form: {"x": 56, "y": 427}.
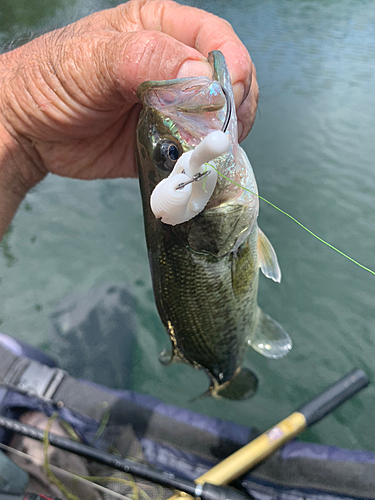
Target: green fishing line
{"x": 296, "y": 221}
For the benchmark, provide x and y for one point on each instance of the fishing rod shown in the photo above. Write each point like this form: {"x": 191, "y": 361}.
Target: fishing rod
{"x": 206, "y": 491}
{"x": 209, "y": 486}
{"x": 264, "y": 445}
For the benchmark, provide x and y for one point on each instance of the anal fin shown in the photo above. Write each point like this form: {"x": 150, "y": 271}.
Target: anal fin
{"x": 270, "y": 339}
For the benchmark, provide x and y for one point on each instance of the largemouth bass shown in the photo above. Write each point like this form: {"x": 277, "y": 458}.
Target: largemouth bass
{"x": 205, "y": 270}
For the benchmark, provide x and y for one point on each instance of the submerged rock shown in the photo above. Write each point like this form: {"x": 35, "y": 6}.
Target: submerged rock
{"x": 93, "y": 335}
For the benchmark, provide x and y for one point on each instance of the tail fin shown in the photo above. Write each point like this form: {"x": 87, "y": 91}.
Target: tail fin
{"x": 242, "y": 386}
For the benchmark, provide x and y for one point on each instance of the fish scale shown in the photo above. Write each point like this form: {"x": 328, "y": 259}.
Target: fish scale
{"x": 196, "y": 293}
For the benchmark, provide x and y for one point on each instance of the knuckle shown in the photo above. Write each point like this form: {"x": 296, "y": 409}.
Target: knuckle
{"x": 145, "y": 54}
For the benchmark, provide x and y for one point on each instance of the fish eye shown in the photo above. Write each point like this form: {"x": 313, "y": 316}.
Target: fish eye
{"x": 166, "y": 154}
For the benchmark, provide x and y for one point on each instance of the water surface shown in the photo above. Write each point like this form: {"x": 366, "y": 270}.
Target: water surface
{"x": 312, "y": 149}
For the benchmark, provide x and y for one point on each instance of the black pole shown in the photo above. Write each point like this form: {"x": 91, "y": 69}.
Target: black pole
{"x": 208, "y": 492}
{"x": 334, "y": 396}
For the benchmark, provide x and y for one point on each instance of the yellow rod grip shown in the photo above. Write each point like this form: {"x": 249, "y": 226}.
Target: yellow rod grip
{"x": 249, "y": 455}
{"x": 252, "y": 453}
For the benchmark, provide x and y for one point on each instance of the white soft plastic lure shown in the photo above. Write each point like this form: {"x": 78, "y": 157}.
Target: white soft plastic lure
{"x": 174, "y": 204}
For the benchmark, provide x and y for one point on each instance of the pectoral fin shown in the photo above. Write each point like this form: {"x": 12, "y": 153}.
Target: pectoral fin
{"x": 270, "y": 339}
{"x": 267, "y": 258}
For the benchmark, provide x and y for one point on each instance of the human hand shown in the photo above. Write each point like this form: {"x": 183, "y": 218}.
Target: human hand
{"x": 69, "y": 99}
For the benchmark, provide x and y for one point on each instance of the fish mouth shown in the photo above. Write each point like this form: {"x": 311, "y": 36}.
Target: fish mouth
{"x": 188, "y": 110}
{"x": 189, "y": 102}
{"x": 220, "y": 70}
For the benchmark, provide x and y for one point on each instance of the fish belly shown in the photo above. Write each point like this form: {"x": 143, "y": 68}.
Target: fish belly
{"x": 208, "y": 304}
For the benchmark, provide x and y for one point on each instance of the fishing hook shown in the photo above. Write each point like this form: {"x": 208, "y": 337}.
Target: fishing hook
{"x": 196, "y": 177}
{"x": 229, "y": 110}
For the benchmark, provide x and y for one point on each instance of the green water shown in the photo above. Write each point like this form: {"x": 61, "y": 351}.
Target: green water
{"x": 313, "y": 152}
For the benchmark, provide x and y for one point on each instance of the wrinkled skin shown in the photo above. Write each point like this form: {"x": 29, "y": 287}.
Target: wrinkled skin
{"x": 68, "y": 102}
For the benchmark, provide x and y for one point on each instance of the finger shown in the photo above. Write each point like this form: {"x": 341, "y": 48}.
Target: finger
{"x": 153, "y": 55}
{"x": 205, "y": 32}
{"x": 90, "y": 79}
{"x": 199, "y": 30}
{"x": 246, "y": 113}
{"x": 112, "y": 67}
{"x": 193, "y": 27}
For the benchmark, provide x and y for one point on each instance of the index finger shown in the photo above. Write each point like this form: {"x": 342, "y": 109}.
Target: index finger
{"x": 206, "y": 32}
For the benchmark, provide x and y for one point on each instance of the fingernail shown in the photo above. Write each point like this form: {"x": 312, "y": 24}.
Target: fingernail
{"x": 194, "y": 68}
{"x": 239, "y": 129}
{"x": 238, "y": 92}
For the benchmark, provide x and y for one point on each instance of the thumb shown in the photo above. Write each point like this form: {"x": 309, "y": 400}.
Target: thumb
{"x": 107, "y": 69}
{"x": 152, "y": 55}
{"x": 72, "y": 77}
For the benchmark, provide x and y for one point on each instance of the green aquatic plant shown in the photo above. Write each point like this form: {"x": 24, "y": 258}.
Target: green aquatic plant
{"x": 296, "y": 221}
{"x": 104, "y": 421}
{"x": 69, "y": 429}
{"x": 51, "y": 476}
{"x": 137, "y": 491}
{"x": 63, "y": 472}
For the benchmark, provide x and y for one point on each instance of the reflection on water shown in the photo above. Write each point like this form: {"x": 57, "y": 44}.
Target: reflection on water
{"x": 313, "y": 153}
